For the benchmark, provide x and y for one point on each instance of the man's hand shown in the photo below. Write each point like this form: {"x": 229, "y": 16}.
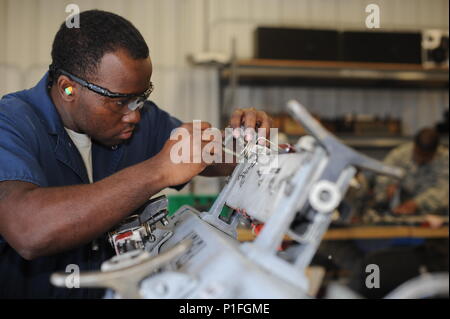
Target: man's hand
{"x": 182, "y": 156}
{"x": 408, "y": 207}
{"x": 434, "y": 221}
{"x": 251, "y": 119}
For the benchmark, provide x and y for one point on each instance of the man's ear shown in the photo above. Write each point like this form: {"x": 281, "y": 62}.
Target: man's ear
{"x": 66, "y": 88}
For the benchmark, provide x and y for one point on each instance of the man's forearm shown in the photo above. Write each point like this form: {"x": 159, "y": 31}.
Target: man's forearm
{"x": 55, "y": 219}
{"x": 433, "y": 199}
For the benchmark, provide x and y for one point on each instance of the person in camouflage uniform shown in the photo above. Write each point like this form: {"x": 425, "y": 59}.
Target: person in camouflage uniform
{"x": 424, "y": 189}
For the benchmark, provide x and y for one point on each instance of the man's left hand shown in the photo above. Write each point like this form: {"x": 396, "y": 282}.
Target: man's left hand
{"x": 408, "y": 207}
{"x": 251, "y": 119}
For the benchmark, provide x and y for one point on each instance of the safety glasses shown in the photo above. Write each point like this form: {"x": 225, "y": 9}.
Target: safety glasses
{"x": 134, "y": 102}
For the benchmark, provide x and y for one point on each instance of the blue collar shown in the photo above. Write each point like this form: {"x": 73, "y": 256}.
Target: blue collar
{"x": 39, "y": 97}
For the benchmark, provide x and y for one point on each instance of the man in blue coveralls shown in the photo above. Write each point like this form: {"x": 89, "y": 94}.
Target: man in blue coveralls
{"x": 82, "y": 150}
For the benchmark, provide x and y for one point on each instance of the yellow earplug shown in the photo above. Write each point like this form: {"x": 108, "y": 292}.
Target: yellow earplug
{"x": 68, "y": 90}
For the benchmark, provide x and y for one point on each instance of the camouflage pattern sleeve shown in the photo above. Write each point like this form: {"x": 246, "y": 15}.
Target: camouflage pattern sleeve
{"x": 397, "y": 157}
{"x": 436, "y": 197}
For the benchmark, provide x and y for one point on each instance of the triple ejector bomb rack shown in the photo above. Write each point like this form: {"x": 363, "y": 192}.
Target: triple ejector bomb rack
{"x": 196, "y": 254}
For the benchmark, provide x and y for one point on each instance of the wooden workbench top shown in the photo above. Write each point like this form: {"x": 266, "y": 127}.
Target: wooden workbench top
{"x": 369, "y": 232}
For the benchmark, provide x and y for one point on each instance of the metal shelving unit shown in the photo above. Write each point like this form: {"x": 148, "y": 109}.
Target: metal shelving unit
{"x": 260, "y": 72}
{"x": 351, "y": 74}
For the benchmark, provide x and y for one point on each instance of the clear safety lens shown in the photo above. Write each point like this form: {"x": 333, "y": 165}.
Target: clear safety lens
{"x": 136, "y": 104}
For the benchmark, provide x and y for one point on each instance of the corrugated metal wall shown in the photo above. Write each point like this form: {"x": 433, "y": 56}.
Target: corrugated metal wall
{"x": 175, "y": 28}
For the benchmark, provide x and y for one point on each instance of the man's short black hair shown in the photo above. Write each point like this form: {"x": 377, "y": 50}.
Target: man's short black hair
{"x": 427, "y": 140}
{"x": 79, "y": 50}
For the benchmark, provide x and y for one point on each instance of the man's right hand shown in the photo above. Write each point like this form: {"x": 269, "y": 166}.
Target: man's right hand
{"x": 181, "y": 157}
